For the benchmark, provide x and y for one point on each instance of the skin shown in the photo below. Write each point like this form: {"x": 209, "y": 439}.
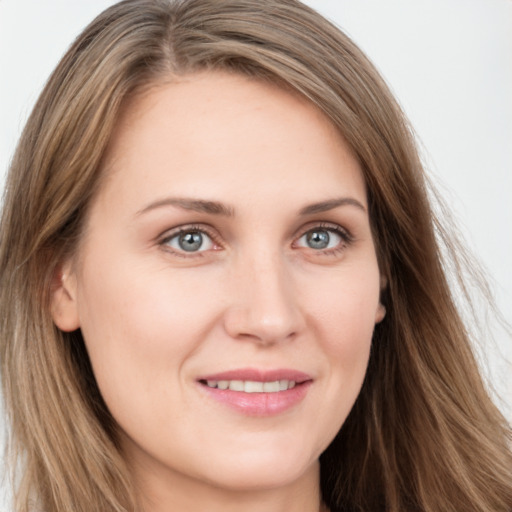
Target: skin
{"x": 257, "y": 294}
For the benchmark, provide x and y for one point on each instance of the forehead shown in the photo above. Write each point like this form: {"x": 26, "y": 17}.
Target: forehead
{"x": 214, "y": 132}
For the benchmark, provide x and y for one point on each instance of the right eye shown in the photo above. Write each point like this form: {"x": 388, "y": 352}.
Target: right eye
{"x": 189, "y": 241}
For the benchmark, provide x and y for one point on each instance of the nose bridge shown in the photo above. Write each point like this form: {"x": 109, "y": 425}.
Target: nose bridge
{"x": 264, "y": 306}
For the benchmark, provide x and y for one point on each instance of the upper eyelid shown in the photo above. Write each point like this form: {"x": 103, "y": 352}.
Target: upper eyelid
{"x": 172, "y": 232}
{"x": 333, "y": 226}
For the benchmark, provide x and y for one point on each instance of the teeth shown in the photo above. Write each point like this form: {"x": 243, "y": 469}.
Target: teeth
{"x": 271, "y": 387}
{"x": 236, "y": 385}
{"x": 251, "y": 386}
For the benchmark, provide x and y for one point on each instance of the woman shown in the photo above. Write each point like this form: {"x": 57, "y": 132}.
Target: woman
{"x": 221, "y": 285}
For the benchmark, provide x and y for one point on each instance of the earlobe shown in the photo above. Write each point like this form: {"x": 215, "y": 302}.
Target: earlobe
{"x": 380, "y": 314}
{"x": 64, "y": 308}
{"x": 381, "y": 309}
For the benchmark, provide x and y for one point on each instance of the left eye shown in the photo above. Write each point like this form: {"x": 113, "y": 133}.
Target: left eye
{"x": 320, "y": 239}
{"x": 190, "y": 241}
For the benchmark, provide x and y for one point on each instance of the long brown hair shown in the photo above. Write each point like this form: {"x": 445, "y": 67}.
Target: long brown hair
{"x": 423, "y": 434}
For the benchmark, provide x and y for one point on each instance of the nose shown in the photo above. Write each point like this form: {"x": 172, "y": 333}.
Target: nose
{"x": 264, "y": 306}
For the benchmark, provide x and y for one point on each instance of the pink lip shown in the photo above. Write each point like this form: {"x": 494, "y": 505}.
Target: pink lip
{"x": 259, "y": 404}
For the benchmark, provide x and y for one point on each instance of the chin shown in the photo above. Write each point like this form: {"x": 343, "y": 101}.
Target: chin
{"x": 262, "y": 469}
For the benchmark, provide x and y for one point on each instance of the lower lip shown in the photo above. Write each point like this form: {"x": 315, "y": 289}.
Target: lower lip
{"x": 260, "y": 404}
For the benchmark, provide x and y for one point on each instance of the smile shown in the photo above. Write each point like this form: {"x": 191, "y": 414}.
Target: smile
{"x": 251, "y": 386}
{"x": 254, "y": 392}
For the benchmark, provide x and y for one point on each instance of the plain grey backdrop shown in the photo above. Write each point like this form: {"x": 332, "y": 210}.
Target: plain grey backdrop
{"x": 449, "y": 62}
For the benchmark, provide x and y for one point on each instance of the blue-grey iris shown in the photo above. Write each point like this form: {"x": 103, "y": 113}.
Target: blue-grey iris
{"x": 191, "y": 241}
{"x": 318, "y": 239}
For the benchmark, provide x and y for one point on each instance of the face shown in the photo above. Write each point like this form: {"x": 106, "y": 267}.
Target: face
{"x": 226, "y": 284}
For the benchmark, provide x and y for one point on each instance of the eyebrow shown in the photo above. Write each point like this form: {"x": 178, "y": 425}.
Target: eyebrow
{"x": 197, "y": 205}
{"x": 331, "y": 204}
{"x": 217, "y": 208}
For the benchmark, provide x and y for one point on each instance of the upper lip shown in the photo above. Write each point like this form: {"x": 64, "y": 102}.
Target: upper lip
{"x": 259, "y": 375}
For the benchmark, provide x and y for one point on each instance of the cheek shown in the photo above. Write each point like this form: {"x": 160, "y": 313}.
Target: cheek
{"x": 346, "y": 343}
{"x": 140, "y": 325}
{"x": 344, "y": 309}
{"x": 140, "y": 332}
{"x": 343, "y": 317}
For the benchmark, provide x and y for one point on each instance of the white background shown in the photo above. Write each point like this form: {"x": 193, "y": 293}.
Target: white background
{"x": 448, "y": 61}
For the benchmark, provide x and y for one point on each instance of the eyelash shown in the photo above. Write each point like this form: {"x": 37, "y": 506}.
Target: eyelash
{"x": 190, "y": 228}
{"x": 345, "y": 236}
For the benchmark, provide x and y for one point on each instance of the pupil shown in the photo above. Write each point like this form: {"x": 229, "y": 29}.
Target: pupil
{"x": 318, "y": 239}
{"x": 191, "y": 241}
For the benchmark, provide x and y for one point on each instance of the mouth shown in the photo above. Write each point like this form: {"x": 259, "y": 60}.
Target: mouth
{"x": 251, "y": 386}
{"x": 255, "y": 392}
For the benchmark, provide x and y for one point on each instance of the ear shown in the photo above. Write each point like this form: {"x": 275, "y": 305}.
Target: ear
{"x": 381, "y": 309}
{"x": 380, "y": 313}
{"x": 64, "y": 307}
